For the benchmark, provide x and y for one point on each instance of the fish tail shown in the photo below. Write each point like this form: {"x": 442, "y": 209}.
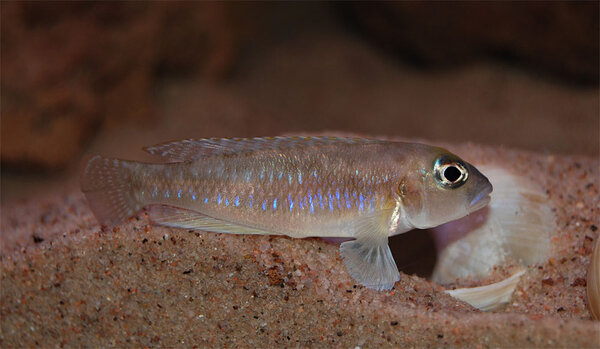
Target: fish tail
{"x": 107, "y": 186}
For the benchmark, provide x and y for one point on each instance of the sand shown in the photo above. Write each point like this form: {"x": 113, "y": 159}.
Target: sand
{"x": 66, "y": 281}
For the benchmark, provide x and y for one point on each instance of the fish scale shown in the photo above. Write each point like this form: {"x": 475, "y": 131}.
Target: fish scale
{"x": 217, "y": 186}
{"x": 354, "y": 188}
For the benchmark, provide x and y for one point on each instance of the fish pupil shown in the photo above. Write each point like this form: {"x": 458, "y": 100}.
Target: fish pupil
{"x": 452, "y": 173}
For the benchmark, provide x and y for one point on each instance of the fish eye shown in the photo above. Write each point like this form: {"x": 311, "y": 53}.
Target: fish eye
{"x": 450, "y": 173}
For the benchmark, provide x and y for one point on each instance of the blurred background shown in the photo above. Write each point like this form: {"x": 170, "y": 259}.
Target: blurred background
{"x": 111, "y": 77}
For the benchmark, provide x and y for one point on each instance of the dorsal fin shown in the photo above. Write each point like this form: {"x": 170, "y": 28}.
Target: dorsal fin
{"x": 193, "y": 149}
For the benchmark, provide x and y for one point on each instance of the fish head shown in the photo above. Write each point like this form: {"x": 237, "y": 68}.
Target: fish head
{"x": 441, "y": 188}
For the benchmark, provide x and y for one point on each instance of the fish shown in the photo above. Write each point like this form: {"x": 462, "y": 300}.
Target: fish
{"x": 363, "y": 190}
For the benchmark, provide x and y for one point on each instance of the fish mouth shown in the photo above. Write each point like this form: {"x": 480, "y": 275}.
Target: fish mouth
{"x": 481, "y": 199}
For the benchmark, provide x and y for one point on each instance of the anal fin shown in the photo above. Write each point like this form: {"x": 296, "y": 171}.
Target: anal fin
{"x": 368, "y": 258}
{"x": 187, "y": 219}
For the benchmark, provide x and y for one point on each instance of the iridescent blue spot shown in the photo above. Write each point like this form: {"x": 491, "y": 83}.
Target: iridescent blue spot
{"x": 167, "y": 193}
{"x": 361, "y": 205}
{"x": 301, "y": 202}
{"x": 262, "y": 174}
{"x": 206, "y": 200}
{"x": 179, "y": 194}
{"x": 280, "y": 175}
{"x": 194, "y": 196}
{"x": 237, "y": 201}
{"x": 275, "y": 204}
{"x": 265, "y": 205}
{"x": 271, "y": 177}
{"x": 300, "y": 177}
{"x": 337, "y": 194}
{"x": 330, "y": 204}
{"x": 219, "y": 199}
{"x": 312, "y": 208}
{"x": 320, "y": 199}
{"x": 315, "y": 173}
{"x": 250, "y": 202}
{"x": 290, "y": 179}
{"x": 226, "y": 202}
{"x": 155, "y": 192}
{"x": 348, "y": 204}
{"x": 291, "y": 202}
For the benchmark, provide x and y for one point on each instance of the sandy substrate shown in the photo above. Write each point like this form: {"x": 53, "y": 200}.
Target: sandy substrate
{"x": 67, "y": 281}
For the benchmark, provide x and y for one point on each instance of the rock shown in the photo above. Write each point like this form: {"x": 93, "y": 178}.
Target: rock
{"x": 68, "y": 68}
{"x": 559, "y": 38}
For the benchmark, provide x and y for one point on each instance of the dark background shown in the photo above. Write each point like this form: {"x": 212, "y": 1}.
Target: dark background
{"x": 111, "y": 77}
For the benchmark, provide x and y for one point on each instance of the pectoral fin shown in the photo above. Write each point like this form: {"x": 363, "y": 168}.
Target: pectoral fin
{"x": 368, "y": 258}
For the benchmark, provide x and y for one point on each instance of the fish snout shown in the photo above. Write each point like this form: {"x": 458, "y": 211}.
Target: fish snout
{"x": 481, "y": 199}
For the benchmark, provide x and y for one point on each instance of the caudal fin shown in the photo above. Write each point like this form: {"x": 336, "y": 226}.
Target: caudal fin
{"x": 107, "y": 186}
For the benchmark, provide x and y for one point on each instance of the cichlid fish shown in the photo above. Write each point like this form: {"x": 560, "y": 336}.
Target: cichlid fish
{"x": 362, "y": 189}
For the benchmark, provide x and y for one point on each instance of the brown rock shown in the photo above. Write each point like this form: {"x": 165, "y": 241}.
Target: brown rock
{"x": 556, "y": 37}
{"x": 69, "y": 67}
{"x": 579, "y": 282}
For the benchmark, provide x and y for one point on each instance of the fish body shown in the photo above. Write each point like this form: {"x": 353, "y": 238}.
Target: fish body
{"x": 362, "y": 189}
